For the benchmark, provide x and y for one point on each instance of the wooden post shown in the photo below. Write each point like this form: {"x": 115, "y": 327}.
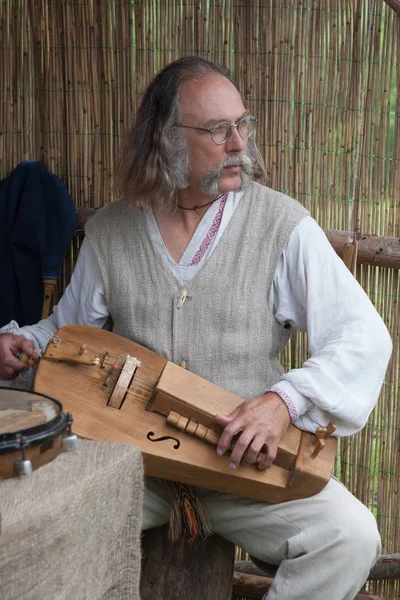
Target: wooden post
{"x": 202, "y": 570}
{"x": 254, "y": 587}
{"x": 386, "y": 567}
{"x": 395, "y": 4}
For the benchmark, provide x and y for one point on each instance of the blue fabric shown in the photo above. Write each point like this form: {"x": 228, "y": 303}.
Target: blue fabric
{"x": 37, "y": 222}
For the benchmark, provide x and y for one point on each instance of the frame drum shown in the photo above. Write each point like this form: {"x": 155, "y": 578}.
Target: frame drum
{"x": 33, "y": 431}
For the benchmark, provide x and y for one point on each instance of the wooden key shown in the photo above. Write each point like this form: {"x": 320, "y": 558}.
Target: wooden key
{"x": 204, "y": 433}
{"x": 322, "y": 434}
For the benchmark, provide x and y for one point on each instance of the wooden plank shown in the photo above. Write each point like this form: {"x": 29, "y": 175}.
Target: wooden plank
{"x": 254, "y": 587}
{"x": 394, "y": 4}
{"x": 250, "y": 586}
{"x": 387, "y": 567}
{"x": 200, "y": 570}
{"x": 380, "y": 251}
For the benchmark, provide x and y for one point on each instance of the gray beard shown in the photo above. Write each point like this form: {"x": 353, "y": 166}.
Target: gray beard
{"x": 209, "y": 184}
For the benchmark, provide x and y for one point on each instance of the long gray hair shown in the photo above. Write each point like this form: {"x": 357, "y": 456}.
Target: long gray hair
{"x": 155, "y": 162}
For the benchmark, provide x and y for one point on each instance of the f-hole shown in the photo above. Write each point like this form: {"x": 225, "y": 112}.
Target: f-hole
{"x": 163, "y": 438}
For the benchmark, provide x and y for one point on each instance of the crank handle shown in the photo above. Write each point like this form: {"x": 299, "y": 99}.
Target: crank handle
{"x": 31, "y": 360}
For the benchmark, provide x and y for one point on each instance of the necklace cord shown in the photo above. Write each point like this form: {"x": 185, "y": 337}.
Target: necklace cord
{"x": 200, "y": 205}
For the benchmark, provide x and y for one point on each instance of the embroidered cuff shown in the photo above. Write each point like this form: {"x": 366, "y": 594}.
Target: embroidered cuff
{"x": 11, "y": 327}
{"x": 287, "y": 400}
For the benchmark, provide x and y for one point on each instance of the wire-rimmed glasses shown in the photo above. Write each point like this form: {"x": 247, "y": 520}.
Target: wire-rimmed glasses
{"x": 221, "y": 132}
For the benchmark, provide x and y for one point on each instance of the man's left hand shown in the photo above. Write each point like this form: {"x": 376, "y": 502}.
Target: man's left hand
{"x": 259, "y": 423}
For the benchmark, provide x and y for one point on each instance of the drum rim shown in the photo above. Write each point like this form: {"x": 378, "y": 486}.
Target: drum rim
{"x": 37, "y": 434}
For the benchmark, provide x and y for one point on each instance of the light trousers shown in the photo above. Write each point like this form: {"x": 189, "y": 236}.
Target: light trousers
{"x": 325, "y": 545}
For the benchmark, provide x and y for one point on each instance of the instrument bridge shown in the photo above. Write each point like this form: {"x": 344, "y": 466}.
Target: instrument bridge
{"x": 124, "y": 379}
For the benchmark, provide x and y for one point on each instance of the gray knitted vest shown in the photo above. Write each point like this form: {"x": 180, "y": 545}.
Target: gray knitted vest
{"x": 221, "y": 322}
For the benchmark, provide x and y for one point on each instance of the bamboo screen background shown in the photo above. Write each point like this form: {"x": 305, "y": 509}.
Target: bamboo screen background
{"x": 323, "y": 80}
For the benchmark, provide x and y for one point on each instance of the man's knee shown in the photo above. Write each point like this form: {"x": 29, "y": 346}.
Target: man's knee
{"x": 356, "y": 535}
{"x": 341, "y": 526}
{"x": 362, "y": 536}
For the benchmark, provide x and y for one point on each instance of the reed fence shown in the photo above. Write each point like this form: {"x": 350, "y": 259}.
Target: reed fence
{"x": 321, "y": 77}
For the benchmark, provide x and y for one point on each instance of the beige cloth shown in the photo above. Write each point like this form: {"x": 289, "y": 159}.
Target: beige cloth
{"x": 72, "y": 528}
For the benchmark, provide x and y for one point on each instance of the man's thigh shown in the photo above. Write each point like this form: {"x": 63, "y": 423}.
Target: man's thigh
{"x": 270, "y": 532}
{"x": 273, "y": 532}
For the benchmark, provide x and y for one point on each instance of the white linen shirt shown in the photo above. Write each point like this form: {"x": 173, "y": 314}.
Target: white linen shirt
{"x": 312, "y": 291}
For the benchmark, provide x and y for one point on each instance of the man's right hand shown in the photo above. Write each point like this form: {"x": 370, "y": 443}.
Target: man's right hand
{"x": 10, "y": 345}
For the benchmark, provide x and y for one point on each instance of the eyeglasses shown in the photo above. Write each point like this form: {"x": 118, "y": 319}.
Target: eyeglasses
{"x": 221, "y": 132}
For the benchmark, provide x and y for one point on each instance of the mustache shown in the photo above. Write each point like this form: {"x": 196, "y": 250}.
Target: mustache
{"x": 241, "y": 160}
{"x": 210, "y": 182}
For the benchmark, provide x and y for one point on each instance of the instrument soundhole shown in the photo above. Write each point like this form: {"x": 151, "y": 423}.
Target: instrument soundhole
{"x": 162, "y": 438}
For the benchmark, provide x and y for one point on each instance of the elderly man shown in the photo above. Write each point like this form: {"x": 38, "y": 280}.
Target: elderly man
{"x": 200, "y": 263}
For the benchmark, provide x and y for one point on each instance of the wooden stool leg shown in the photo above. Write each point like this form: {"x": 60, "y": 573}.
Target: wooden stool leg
{"x": 202, "y": 570}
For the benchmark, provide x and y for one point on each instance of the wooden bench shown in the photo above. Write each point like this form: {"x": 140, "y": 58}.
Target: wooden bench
{"x": 206, "y": 570}
{"x": 202, "y": 570}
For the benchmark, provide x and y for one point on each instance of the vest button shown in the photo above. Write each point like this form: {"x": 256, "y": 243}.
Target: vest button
{"x": 182, "y": 298}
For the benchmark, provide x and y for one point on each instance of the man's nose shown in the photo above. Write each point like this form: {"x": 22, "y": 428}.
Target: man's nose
{"x": 235, "y": 142}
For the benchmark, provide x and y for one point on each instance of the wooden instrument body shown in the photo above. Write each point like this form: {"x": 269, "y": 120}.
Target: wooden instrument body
{"x": 158, "y": 385}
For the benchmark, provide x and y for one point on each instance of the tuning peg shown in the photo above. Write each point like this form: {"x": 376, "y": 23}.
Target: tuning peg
{"x": 322, "y": 434}
{"x": 23, "y": 466}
